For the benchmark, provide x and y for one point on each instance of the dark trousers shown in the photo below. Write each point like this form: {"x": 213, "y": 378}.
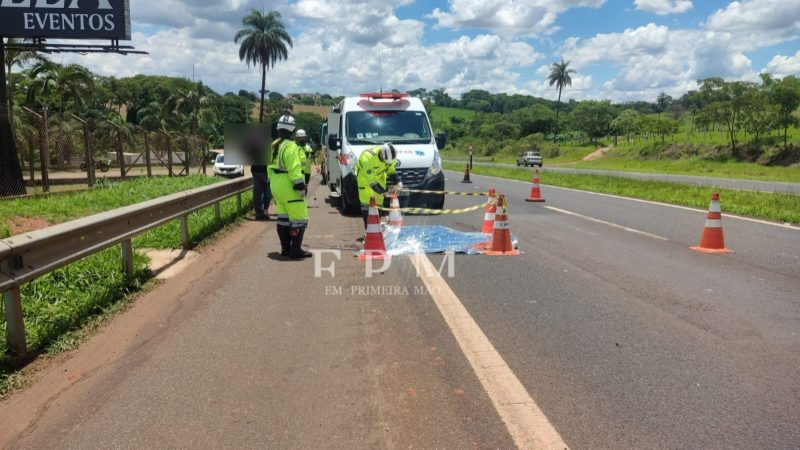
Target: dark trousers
{"x": 261, "y": 193}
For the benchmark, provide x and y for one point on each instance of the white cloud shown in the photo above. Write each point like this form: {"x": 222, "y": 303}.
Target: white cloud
{"x": 482, "y": 62}
{"x": 773, "y": 16}
{"x": 527, "y": 17}
{"x": 782, "y": 66}
{"x": 581, "y": 88}
{"x": 337, "y": 54}
{"x": 664, "y": 7}
{"x": 654, "y": 58}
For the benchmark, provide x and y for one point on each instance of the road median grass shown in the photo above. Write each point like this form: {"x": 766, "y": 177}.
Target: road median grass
{"x": 58, "y": 306}
{"x": 777, "y": 207}
{"x": 696, "y": 167}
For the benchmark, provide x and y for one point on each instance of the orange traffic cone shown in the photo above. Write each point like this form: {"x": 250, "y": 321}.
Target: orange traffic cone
{"x": 488, "y": 217}
{"x": 395, "y": 216}
{"x": 374, "y": 248}
{"x": 536, "y": 192}
{"x": 466, "y": 175}
{"x": 501, "y": 244}
{"x": 713, "y": 240}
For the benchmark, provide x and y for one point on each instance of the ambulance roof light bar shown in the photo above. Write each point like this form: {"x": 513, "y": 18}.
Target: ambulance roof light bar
{"x": 384, "y": 96}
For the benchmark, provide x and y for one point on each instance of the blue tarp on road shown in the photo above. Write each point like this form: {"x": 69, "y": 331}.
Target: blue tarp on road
{"x": 433, "y": 239}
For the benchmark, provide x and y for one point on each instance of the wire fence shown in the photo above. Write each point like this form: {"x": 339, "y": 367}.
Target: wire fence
{"x": 67, "y": 152}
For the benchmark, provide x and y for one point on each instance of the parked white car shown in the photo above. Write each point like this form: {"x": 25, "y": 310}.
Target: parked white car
{"x": 225, "y": 170}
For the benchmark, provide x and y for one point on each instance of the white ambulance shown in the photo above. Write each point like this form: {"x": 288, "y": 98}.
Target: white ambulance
{"x": 360, "y": 123}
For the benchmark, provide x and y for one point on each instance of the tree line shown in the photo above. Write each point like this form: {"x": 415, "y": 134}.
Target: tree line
{"x": 745, "y": 111}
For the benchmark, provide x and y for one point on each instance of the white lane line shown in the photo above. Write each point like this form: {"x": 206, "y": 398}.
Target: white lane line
{"x": 611, "y": 224}
{"x": 525, "y": 422}
{"x": 651, "y": 202}
{"x": 687, "y": 208}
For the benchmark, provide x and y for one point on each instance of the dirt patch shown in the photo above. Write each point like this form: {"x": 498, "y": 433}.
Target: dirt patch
{"x": 20, "y": 224}
{"x": 597, "y": 154}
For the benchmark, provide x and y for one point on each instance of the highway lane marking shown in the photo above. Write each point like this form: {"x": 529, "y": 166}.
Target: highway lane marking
{"x": 524, "y": 420}
{"x": 687, "y": 208}
{"x": 611, "y": 224}
{"x": 651, "y": 202}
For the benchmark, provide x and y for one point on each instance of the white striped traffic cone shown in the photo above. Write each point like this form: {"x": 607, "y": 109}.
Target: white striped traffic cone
{"x": 536, "y": 191}
{"x": 374, "y": 247}
{"x": 501, "y": 244}
{"x": 488, "y": 216}
{"x": 713, "y": 240}
{"x": 395, "y": 215}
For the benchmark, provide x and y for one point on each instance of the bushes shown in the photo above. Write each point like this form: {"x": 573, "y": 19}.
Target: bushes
{"x": 62, "y": 300}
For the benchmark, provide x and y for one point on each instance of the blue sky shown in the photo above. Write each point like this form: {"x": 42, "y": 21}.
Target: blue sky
{"x": 621, "y": 49}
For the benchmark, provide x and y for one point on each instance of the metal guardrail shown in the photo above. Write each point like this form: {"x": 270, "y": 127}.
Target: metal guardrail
{"x": 28, "y": 256}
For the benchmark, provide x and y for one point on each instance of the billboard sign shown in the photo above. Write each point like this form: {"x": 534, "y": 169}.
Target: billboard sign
{"x": 67, "y": 19}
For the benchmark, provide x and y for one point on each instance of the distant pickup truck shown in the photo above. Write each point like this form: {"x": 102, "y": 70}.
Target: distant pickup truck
{"x": 530, "y": 158}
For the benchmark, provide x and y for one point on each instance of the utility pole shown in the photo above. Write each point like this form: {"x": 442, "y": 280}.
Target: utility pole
{"x": 11, "y": 181}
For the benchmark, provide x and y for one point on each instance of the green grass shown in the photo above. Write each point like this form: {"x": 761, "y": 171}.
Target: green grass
{"x": 696, "y": 166}
{"x": 778, "y": 207}
{"x": 59, "y": 307}
{"x": 441, "y": 115}
{"x": 105, "y": 196}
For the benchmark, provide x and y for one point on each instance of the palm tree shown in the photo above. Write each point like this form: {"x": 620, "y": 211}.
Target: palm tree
{"x": 264, "y": 41}
{"x": 560, "y": 76}
{"x": 156, "y": 116}
{"x": 14, "y": 57}
{"x": 65, "y": 83}
{"x": 192, "y": 102}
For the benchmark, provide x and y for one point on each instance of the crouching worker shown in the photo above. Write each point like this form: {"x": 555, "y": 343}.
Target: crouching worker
{"x": 289, "y": 191}
{"x": 372, "y": 168}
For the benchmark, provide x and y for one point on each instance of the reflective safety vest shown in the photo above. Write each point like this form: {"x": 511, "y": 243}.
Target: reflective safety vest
{"x": 288, "y": 160}
{"x": 309, "y": 154}
{"x": 370, "y": 169}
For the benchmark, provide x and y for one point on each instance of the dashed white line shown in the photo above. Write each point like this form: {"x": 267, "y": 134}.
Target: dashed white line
{"x": 611, "y": 224}
{"x": 787, "y": 226}
{"x": 525, "y": 422}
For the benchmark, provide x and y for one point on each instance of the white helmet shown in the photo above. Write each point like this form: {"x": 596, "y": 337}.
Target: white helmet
{"x": 300, "y": 133}
{"x": 388, "y": 153}
{"x": 286, "y": 122}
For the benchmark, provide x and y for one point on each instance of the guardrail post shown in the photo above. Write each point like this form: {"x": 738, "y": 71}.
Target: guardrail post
{"x": 15, "y": 325}
{"x": 185, "y": 232}
{"x": 217, "y": 213}
{"x": 127, "y": 259}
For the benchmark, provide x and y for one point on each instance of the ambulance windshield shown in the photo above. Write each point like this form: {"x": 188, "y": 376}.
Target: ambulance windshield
{"x": 371, "y": 127}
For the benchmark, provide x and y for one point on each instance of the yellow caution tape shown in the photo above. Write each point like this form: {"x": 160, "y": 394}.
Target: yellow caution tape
{"x": 437, "y": 211}
{"x": 421, "y": 191}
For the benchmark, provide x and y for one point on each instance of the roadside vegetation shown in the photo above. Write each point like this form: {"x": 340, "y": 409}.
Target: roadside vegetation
{"x": 723, "y": 129}
{"x": 58, "y": 306}
{"x": 777, "y": 207}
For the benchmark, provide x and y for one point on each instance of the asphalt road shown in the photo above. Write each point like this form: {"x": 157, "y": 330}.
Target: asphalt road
{"x": 628, "y": 340}
{"x": 622, "y": 336}
{"x": 730, "y": 183}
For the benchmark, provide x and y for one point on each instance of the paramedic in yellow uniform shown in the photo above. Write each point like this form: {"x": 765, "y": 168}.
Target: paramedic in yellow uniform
{"x": 372, "y": 168}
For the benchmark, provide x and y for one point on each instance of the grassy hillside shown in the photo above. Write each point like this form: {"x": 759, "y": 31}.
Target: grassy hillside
{"x": 441, "y": 115}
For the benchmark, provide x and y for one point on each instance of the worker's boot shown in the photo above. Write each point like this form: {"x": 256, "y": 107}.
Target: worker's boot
{"x": 297, "y": 251}
{"x": 284, "y": 234}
